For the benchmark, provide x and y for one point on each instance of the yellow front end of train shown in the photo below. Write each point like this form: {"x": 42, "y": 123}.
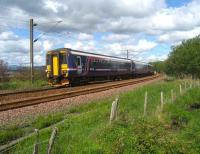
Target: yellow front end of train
{"x": 57, "y": 68}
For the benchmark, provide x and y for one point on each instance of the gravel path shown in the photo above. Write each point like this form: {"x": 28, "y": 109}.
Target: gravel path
{"x": 25, "y": 112}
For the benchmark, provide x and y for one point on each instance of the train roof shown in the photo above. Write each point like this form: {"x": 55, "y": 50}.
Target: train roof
{"x": 78, "y": 52}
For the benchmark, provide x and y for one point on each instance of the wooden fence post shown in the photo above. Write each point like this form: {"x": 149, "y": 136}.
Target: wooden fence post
{"x": 113, "y": 113}
{"x": 172, "y": 95}
{"x": 51, "y": 140}
{"x": 145, "y": 103}
{"x": 35, "y": 150}
{"x": 161, "y": 101}
{"x": 180, "y": 87}
{"x": 185, "y": 86}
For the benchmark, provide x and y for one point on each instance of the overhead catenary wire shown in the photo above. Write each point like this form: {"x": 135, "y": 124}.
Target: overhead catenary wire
{"x": 35, "y": 40}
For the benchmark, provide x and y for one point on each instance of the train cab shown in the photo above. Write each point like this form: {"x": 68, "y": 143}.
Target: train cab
{"x": 57, "y": 67}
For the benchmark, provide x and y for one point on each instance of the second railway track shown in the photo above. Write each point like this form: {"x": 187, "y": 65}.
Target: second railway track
{"x": 69, "y": 92}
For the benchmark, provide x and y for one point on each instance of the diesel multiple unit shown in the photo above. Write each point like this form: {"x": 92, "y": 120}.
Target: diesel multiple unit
{"x": 67, "y": 67}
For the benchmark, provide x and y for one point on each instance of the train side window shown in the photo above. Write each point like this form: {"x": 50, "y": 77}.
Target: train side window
{"x": 78, "y": 61}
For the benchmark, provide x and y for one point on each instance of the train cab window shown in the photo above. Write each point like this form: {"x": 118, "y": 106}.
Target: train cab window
{"x": 63, "y": 58}
{"x": 48, "y": 59}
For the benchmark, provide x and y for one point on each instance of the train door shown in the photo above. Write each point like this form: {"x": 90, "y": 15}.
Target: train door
{"x": 79, "y": 65}
{"x": 55, "y": 65}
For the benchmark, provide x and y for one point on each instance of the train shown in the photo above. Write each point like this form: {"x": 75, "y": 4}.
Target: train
{"x": 68, "y": 67}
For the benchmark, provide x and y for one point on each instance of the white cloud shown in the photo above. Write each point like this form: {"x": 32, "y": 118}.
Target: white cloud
{"x": 84, "y": 36}
{"x": 144, "y": 45}
{"x": 15, "y": 50}
{"x": 177, "y": 36}
{"x": 39, "y": 59}
{"x": 47, "y": 45}
{"x": 54, "y": 5}
{"x": 138, "y": 7}
{"x": 116, "y": 37}
{"x": 153, "y": 58}
{"x": 78, "y": 45}
{"x": 163, "y": 20}
{"x": 68, "y": 45}
{"x": 8, "y": 35}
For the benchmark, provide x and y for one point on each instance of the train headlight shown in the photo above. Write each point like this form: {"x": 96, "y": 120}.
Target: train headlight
{"x": 65, "y": 73}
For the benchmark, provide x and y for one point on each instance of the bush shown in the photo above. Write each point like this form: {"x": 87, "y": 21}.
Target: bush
{"x": 185, "y": 59}
{"x": 4, "y": 76}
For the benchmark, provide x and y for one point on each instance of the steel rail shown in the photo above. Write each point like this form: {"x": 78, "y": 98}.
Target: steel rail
{"x": 2, "y": 94}
{"x": 37, "y": 100}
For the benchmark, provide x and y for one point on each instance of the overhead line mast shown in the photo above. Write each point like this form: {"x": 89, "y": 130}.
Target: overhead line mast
{"x": 32, "y": 24}
{"x": 31, "y": 50}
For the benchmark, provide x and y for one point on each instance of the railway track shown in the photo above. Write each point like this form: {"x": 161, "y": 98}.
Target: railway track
{"x": 70, "y": 92}
{"x": 2, "y": 94}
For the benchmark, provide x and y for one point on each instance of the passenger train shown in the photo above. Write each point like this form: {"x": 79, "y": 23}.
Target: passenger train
{"x": 68, "y": 67}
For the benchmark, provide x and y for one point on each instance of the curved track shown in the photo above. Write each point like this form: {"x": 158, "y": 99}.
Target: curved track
{"x": 68, "y": 92}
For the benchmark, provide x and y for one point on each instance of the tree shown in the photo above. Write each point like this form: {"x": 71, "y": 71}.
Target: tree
{"x": 3, "y": 71}
{"x": 158, "y": 66}
{"x": 185, "y": 58}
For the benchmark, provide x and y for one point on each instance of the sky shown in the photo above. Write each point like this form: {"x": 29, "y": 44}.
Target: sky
{"x": 146, "y": 28}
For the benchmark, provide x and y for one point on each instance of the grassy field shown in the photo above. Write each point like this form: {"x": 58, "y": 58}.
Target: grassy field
{"x": 86, "y": 128}
{"x": 22, "y": 84}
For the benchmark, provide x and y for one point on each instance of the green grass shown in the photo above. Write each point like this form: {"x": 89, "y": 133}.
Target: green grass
{"x": 86, "y": 128}
{"x": 22, "y": 84}
{"x": 14, "y": 131}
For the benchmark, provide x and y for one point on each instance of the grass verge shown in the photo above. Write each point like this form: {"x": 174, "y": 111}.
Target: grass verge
{"x": 86, "y": 128}
{"x": 22, "y": 84}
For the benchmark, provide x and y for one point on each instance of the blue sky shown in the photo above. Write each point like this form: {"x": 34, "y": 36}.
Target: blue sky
{"x": 177, "y": 3}
{"x": 147, "y": 28}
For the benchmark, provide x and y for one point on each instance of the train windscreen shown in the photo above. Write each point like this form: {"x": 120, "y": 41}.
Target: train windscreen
{"x": 48, "y": 59}
{"x": 63, "y": 58}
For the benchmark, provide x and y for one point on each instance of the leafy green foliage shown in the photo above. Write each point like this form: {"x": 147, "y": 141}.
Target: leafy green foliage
{"x": 185, "y": 58}
{"x": 158, "y": 66}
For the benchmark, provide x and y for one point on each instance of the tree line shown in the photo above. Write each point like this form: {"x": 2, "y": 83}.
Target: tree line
{"x": 183, "y": 60}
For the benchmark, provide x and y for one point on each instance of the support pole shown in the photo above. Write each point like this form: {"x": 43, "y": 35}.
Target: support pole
{"x": 172, "y": 95}
{"x": 127, "y": 54}
{"x": 161, "y": 101}
{"x": 185, "y": 86}
{"x": 180, "y": 87}
{"x": 145, "y": 103}
{"x": 35, "y": 150}
{"x": 113, "y": 113}
{"x": 51, "y": 140}
{"x": 31, "y": 50}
